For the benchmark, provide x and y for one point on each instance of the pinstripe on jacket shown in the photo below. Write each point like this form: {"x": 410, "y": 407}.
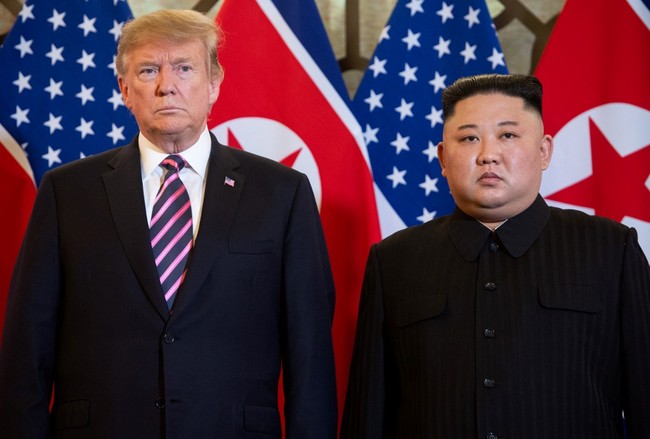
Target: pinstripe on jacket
{"x": 538, "y": 330}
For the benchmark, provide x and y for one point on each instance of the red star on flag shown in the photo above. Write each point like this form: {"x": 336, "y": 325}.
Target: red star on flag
{"x": 617, "y": 187}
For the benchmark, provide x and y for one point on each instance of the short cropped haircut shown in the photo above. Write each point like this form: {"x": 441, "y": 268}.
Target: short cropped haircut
{"x": 173, "y": 26}
{"x": 527, "y": 87}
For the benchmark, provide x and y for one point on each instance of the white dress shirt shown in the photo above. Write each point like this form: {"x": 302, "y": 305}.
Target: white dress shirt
{"x": 193, "y": 175}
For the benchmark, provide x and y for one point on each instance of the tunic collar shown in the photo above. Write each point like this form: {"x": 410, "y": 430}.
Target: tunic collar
{"x": 516, "y": 235}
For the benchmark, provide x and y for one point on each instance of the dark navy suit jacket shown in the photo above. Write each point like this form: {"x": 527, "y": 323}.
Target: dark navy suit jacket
{"x": 86, "y": 312}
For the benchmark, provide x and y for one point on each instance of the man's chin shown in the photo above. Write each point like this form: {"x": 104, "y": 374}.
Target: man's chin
{"x": 491, "y": 201}
{"x": 172, "y": 129}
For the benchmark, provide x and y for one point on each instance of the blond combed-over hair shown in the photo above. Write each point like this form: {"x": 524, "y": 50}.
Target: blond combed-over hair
{"x": 174, "y": 26}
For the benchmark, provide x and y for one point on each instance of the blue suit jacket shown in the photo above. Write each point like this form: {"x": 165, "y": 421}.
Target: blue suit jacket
{"x": 86, "y": 311}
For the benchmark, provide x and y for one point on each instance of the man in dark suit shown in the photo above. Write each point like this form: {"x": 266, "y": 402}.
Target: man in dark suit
{"x": 185, "y": 340}
{"x": 507, "y": 318}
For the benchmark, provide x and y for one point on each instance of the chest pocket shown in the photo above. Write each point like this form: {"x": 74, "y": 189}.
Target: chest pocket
{"x": 582, "y": 298}
{"x": 419, "y": 309}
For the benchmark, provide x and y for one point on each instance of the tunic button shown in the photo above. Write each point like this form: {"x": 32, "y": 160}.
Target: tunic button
{"x": 492, "y": 436}
{"x": 490, "y": 286}
{"x": 168, "y": 338}
{"x": 494, "y": 247}
{"x": 160, "y": 403}
{"x": 488, "y": 383}
{"x": 489, "y": 333}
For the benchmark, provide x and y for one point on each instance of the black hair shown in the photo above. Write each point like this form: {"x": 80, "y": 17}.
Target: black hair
{"x": 527, "y": 87}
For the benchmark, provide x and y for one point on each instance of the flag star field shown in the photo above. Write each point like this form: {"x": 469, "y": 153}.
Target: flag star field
{"x": 61, "y": 98}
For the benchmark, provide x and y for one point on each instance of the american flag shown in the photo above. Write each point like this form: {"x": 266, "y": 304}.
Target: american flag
{"x": 229, "y": 182}
{"x": 426, "y": 45}
{"x": 58, "y": 87}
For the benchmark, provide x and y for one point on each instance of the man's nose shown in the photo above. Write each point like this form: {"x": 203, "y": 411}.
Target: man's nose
{"x": 166, "y": 81}
{"x": 490, "y": 152}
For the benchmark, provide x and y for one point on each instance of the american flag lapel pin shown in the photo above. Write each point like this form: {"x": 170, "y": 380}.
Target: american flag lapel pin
{"x": 229, "y": 182}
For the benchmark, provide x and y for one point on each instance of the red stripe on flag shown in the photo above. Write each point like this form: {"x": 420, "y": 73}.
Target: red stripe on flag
{"x": 17, "y": 193}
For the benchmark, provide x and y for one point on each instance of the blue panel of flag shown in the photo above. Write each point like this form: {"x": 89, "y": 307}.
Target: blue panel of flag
{"x": 58, "y": 86}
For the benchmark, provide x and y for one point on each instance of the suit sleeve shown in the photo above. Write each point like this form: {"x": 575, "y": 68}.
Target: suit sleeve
{"x": 635, "y": 338}
{"x": 308, "y": 359}
{"x": 371, "y": 403}
{"x": 29, "y": 336}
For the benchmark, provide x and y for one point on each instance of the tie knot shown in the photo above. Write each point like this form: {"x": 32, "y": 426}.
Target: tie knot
{"x": 173, "y": 163}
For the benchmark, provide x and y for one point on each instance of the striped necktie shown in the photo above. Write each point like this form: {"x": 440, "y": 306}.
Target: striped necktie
{"x": 171, "y": 228}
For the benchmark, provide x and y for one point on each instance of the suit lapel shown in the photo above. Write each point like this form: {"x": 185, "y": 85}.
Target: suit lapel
{"x": 218, "y": 212}
{"x": 125, "y": 196}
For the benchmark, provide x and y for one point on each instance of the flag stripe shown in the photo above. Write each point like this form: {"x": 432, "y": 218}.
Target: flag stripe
{"x": 642, "y": 10}
{"x": 16, "y": 151}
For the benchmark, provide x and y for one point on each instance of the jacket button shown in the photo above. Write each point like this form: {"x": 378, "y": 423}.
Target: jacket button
{"x": 168, "y": 338}
{"x": 492, "y": 436}
{"x": 160, "y": 403}
{"x": 490, "y": 286}
{"x": 489, "y": 383}
{"x": 489, "y": 333}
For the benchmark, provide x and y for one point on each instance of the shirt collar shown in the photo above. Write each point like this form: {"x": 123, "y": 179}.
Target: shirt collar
{"x": 196, "y": 155}
{"x": 516, "y": 235}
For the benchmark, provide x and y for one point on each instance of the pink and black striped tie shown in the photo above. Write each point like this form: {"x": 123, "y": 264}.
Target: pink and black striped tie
{"x": 171, "y": 228}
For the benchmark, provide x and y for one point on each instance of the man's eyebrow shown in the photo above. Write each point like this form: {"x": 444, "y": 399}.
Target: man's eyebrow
{"x": 147, "y": 62}
{"x": 181, "y": 59}
{"x": 469, "y": 126}
{"x": 178, "y": 60}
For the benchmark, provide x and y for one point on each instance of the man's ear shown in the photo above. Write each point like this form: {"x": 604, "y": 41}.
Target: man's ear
{"x": 215, "y": 86}
{"x": 441, "y": 158}
{"x": 546, "y": 150}
{"x": 125, "y": 91}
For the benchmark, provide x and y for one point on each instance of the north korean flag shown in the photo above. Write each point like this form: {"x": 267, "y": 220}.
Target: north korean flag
{"x": 283, "y": 98}
{"x": 595, "y": 72}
